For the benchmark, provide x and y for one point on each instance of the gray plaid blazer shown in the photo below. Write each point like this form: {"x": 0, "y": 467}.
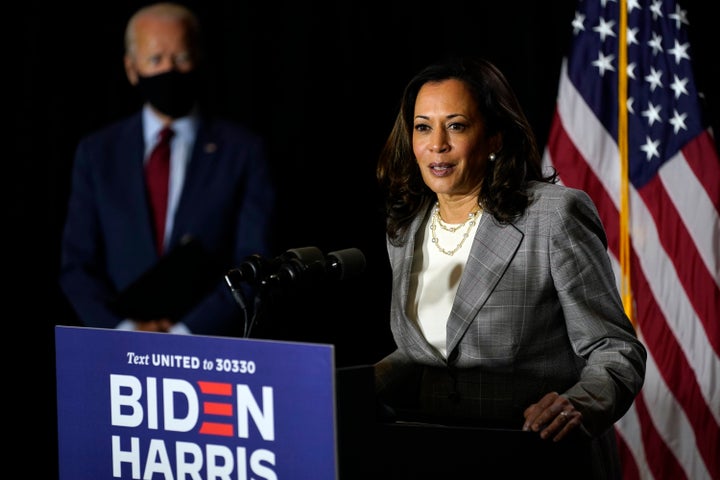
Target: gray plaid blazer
{"x": 537, "y": 310}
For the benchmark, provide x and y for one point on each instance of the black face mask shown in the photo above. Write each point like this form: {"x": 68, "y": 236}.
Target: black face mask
{"x": 172, "y": 93}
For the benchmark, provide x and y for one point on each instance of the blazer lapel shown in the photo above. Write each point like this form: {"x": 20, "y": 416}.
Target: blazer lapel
{"x": 412, "y": 333}
{"x": 493, "y": 248}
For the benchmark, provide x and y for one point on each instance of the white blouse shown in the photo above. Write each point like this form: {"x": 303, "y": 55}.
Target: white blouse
{"x": 435, "y": 276}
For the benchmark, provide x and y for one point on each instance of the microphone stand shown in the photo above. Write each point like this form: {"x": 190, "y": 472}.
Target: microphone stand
{"x": 232, "y": 279}
{"x": 305, "y": 266}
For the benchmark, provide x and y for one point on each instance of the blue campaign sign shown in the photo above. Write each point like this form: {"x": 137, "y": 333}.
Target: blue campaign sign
{"x": 158, "y": 406}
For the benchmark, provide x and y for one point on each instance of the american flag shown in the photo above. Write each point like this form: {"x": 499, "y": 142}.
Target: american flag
{"x": 644, "y": 152}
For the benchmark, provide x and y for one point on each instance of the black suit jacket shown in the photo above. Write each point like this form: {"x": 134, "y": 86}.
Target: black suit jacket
{"x": 226, "y": 205}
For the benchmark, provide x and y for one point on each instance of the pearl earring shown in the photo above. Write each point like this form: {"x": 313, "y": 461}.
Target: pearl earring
{"x": 491, "y": 157}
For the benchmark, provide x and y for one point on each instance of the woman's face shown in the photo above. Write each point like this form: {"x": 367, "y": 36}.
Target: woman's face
{"x": 449, "y": 139}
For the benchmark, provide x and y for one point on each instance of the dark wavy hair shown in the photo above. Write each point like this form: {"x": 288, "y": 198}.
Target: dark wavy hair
{"x": 504, "y": 183}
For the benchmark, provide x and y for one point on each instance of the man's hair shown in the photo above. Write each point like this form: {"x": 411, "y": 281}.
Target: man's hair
{"x": 169, "y": 11}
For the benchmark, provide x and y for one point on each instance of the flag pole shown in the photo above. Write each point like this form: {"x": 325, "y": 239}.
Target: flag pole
{"x": 625, "y": 286}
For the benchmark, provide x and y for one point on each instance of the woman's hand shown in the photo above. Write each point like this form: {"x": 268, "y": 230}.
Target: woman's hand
{"x": 553, "y": 417}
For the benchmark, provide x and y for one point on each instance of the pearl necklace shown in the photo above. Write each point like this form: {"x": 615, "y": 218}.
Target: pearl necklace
{"x": 436, "y": 220}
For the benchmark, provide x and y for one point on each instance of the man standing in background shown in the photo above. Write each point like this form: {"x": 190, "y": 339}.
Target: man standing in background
{"x": 214, "y": 207}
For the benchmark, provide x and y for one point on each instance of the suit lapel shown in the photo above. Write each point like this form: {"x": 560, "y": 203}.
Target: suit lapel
{"x": 202, "y": 163}
{"x": 127, "y": 187}
{"x": 492, "y": 251}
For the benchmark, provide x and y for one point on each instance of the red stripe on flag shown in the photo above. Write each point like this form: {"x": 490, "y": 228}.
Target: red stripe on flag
{"x": 675, "y": 369}
{"x": 697, "y": 282}
{"x": 703, "y": 159}
{"x": 575, "y": 172}
{"x": 627, "y": 460}
{"x": 661, "y": 460}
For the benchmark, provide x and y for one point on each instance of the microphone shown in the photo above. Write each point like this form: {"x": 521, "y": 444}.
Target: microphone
{"x": 344, "y": 264}
{"x": 254, "y": 269}
{"x": 296, "y": 265}
{"x": 338, "y": 265}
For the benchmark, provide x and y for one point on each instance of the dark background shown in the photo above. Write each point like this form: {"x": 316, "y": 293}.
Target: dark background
{"x": 320, "y": 80}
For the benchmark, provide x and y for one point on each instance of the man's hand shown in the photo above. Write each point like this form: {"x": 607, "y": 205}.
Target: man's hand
{"x": 159, "y": 325}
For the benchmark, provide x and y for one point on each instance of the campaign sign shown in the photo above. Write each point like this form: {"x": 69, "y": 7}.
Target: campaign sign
{"x": 159, "y": 406}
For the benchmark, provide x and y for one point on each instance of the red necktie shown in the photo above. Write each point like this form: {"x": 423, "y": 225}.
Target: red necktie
{"x": 157, "y": 173}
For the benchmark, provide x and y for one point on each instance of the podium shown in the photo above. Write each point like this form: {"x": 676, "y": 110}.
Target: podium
{"x": 161, "y": 406}
{"x": 152, "y": 405}
{"x": 373, "y": 446}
